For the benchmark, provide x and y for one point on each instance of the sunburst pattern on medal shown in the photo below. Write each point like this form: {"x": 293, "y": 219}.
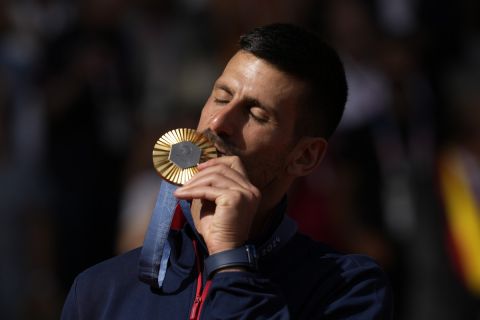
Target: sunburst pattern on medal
{"x": 161, "y": 154}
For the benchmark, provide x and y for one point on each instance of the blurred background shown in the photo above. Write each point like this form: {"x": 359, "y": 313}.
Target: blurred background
{"x": 86, "y": 88}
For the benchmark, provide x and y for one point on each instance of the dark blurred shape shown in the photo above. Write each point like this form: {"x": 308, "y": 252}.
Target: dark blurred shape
{"x": 91, "y": 90}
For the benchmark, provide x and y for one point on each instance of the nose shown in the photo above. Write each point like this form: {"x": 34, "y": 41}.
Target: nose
{"x": 226, "y": 120}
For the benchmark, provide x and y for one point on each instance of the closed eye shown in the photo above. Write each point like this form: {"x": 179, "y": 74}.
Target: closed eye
{"x": 220, "y": 101}
{"x": 221, "y": 94}
{"x": 258, "y": 114}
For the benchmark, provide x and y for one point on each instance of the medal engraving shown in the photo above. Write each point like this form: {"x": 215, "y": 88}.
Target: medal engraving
{"x": 185, "y": 154}
{"x": 178, "y": 152}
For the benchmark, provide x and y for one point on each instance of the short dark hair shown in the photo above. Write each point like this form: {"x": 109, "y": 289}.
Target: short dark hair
{"x": 304, "y": 55}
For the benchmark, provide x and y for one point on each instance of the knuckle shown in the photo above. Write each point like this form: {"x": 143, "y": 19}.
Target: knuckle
{"x": 255, "y": 193}
{"x": 236, "y": 196}
{"x": 214, "y": 176}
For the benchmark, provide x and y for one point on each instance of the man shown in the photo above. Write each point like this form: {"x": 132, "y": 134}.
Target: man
{"x": 269, "y": 114}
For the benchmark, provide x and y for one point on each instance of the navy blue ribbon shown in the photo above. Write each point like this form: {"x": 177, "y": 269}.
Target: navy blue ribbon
{"x": 156, "y": 249}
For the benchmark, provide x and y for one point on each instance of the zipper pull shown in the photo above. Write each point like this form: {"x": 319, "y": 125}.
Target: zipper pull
{"x": 195, "y": 308}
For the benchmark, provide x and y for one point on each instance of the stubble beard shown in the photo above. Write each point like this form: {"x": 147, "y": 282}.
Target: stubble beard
{"x": 261, "y": 172}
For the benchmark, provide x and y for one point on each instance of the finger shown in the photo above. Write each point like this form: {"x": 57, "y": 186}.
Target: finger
{"x": 220, "y": 171}
{"x": 222, "y": 182}
{"x": 216, "y": 179}
{"x": 220, "y": 196}
{"x": 233, "y": 162}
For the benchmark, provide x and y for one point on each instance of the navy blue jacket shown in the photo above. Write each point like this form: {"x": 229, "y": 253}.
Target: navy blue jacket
{"x": 304, "y": 280}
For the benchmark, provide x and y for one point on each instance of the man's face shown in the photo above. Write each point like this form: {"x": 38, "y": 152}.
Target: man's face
{"x": 251, "y": 113}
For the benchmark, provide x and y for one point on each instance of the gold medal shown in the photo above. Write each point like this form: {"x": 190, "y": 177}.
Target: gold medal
{"x": 177, "y": 153}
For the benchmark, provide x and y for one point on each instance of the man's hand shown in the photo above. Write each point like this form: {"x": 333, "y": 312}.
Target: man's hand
{"x": 228, "y": 202}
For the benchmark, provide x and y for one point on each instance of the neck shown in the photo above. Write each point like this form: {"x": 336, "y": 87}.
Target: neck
{"x": 264, "y": 220}
{"x": 272, "y": 196}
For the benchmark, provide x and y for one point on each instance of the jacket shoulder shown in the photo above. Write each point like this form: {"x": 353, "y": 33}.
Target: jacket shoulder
{"x": 101, "y": 289}
{"x": 113, "y": 269}
{"x": 334, "y": 283}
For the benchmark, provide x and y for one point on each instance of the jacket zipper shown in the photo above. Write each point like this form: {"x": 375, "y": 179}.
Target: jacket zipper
{"x": 200, "y": 293}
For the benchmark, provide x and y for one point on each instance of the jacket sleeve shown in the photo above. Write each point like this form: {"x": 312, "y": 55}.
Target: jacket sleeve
{"x": 243, "y": 295}
{"x": 360, "y": 290}
{"x": 363, "y": 293}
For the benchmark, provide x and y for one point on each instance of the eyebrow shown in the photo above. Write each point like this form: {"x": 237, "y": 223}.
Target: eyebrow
{"x": 249, "y": 100}
{"x": 223, "y": 87}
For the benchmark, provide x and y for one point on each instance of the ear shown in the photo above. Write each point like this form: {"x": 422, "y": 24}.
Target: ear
{"x": 307, "y": 155}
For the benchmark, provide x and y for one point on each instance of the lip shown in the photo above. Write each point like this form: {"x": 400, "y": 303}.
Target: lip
{"x": 217, "y": 143}
{"x": 220, "y": 152}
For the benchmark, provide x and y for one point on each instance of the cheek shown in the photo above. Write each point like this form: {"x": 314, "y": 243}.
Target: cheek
{"x": 266, "y": 140}
{"x": 266, "y": 166}
{"x": 267, "y": 152}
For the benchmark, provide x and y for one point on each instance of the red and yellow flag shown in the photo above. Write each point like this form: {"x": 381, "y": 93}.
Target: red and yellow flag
{"x": 462, "y": 210}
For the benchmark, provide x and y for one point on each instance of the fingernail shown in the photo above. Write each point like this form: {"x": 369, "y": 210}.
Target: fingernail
{"x": 178, "y": 190}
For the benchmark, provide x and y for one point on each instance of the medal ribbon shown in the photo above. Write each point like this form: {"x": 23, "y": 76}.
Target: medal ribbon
{"x": 156, "y": 249}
